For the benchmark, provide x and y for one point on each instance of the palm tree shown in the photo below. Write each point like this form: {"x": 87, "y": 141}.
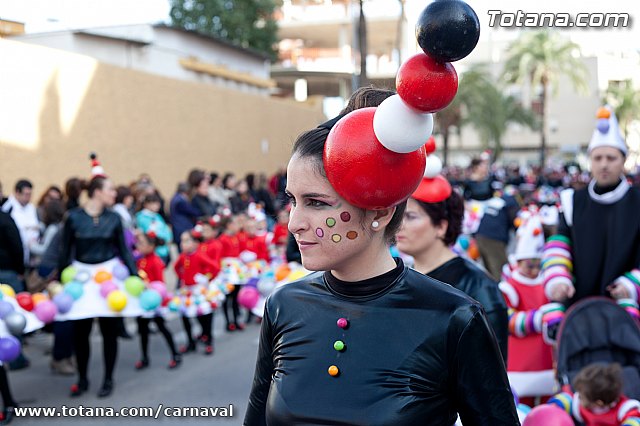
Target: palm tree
{"x": 446, "y": 120}
{"x": 626, "y": 102}
{"x": 541, "y": 58}
{"x": 488, "y": 110}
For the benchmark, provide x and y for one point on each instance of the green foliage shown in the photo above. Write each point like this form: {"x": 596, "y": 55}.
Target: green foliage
{"x": 488, "y": 109}
{"x": 247, "y": 23}
{"x": 626, "y": 102}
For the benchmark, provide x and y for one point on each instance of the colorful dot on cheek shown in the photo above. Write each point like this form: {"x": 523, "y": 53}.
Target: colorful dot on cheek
{"x": 319, "y": 232}
{"x": 336, "y": 238}
{"x": 345, "y": 216}
{"x": 352, "y": 235}
{"x": 331, "y": 222}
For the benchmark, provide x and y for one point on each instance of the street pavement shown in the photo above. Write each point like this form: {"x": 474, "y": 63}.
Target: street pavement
{"x": 201, "y": 381}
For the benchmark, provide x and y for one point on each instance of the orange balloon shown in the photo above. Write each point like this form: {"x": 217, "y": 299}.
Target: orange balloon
{"x": 282, "y": 272}
{"x": 102, "y": 276}
{"x": 517, "y": 222}
{"x": 603, "y": 113}
{"x": 38, "y": 297}
{"x": 473, "y": 251}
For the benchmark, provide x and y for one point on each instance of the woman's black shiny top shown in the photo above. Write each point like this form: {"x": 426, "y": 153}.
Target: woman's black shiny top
{"x": 417, "y": 351}
{"x": 94, "y": 240}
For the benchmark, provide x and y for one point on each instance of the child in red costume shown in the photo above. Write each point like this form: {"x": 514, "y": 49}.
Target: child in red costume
{"x": 210, "y": 246}
{"x": 151, "y": 268}
{"x": 194, "y": 270}
{"x": 281, "y": 229}
{"x": 530, "y": 364}
{"x": 255, "y": 243}
{"x": 598, "y": 399}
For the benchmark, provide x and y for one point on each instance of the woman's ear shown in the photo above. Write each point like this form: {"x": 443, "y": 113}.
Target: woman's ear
{"x": 379, "y": 219}
{"x": 441, "y": 228}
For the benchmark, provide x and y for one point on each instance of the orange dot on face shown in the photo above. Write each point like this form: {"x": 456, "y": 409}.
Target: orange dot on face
{"x": 352, "y": 235}
{"x": 333, "y": 371}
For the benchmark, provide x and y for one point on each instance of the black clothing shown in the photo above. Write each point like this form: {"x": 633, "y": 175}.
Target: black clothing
{"x": 605, "y": 241}
{"x": 417, "y": 352}
{"x": 109, "y": 328}
{"x": 206, "y": 324}
{"x": 94, "y": 240}
{"x": 264, "y": 197}
{"x": 63, "y": 339}
{"x": 468, "y": 278}
{"x": 143, "y": 331}
{"x": 5, "y": 391}
{"x": 204, "y": 206}
{"x": 231, "y": 301}
{"x": 11, "y": 249}
{"x": 478, "y": 190}
{"x": 293, "y": 251}
{"x": 603, "y": 189}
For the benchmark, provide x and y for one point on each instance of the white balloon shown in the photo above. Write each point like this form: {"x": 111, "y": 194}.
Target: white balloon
{"x": 399, "y": 128}
{"x": 433, "y": 167}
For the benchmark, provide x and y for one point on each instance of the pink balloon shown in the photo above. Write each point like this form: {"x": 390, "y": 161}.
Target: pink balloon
{"x": 248, "y": 297}
{"x": 548, "y": 415}
{"x": 46, "y": 311}
{"x": 106, "y": 288}
{"x": 160, "y": 287}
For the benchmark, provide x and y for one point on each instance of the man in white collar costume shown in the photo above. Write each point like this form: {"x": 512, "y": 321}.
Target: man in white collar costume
{"x": 597, "y": 249}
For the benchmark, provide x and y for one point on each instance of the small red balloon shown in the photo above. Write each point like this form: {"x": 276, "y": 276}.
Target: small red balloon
{"x": 363, "y": 171}
{"x": 430, "y": 146}
{"x": 433, "y": 190}
{"x": 426, "y": 85}
{"x": 25, "y": 301}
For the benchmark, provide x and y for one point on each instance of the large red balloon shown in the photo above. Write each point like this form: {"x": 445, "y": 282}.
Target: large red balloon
{"x": 547, "y": 415}
{"x": 362, "y": 170}
{"x": 25, "y": 301}
{"x": 426, "y": 85}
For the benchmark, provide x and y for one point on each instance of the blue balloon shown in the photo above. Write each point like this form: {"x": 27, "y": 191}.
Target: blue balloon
{"x": 120, "y": 272}
{"x": 150, "y": 300}
{"x": 75, "y": 289}
{"x": 463, "y": 241}
{"x": 64, "y": 302}
{"x": 603, "y": 125}
{"x": 9, "y": 348}
{"x": 5, "y": 308}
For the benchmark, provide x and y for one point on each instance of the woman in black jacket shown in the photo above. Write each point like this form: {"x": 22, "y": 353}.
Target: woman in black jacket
{"x": 429, "y": 229}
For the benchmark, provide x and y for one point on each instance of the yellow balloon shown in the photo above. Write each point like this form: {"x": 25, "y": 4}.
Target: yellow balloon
{"x": 38, "y": 297}
{"x": 117, "y": 300}
{"x": 54, "y": 289}
{"x": 296, "y": 275}
{"x": 177, "y": 300}
{"x": 7, "y": 290}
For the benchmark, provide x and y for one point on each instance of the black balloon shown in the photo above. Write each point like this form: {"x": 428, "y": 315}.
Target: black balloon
{"x": 448, "y": 30}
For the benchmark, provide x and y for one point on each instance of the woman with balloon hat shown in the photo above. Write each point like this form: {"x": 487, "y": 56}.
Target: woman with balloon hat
{"x": 93, "y": 239}
{"x": 432, "y": 223}
{"x": 378, "y": 343}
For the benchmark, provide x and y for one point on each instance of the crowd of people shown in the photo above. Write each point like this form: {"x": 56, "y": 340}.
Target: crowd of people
{"x": 525, "y": 246}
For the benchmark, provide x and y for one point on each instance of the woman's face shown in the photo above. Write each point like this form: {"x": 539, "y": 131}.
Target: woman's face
{"x": 330, "y": 232}
{"x": 203, "y": 187}
{"x": 107, "y": 195}
{"x": 417, "y": 233}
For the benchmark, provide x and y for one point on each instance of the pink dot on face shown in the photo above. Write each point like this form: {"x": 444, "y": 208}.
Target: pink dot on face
{"x": 345, "y": 216}
{"x": 319, "y": 232}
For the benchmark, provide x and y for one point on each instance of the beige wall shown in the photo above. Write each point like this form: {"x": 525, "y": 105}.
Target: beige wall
{"x": 56, "y": 107}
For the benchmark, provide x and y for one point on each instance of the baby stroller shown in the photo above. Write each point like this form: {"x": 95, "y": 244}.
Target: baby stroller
{"x": 597, "y": 330}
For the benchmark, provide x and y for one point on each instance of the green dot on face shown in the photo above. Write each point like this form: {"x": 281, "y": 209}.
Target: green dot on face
{"x": 338, "y": 345}
{"x": 331, "y": 222}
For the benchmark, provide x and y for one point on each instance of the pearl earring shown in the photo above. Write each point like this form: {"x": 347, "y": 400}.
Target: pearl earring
{"x": 375, "y": 224}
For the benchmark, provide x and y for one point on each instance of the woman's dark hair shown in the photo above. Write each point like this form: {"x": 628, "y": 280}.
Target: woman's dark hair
{"x": 451, "y": 210}
{"x": 195, "y": 177}
{"x": 151, "y": 198}
{"x": 225, "y": 180}
{"x": 213, "y": 176}
{"x": 475, "y": 163}
{"x": 122, "y": 192}
{"x": 366, "y": 97}
{"x": 224, "y": 222}
{"x": 599, "y": 382}
{"x": 73, "y": 188}
{"x": 45, "y": 194}
{"x": 53, "y": 212}
{"x": 250, "y": 178}
{"x": 96, "y": 183}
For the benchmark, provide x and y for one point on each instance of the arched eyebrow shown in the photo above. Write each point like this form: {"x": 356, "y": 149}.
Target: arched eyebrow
{"x": 309, "y": 194}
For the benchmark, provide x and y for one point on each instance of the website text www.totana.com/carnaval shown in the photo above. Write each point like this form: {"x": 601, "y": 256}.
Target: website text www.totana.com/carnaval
{"x": 148, "y": 412}
{"x": 499, "y": 18}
